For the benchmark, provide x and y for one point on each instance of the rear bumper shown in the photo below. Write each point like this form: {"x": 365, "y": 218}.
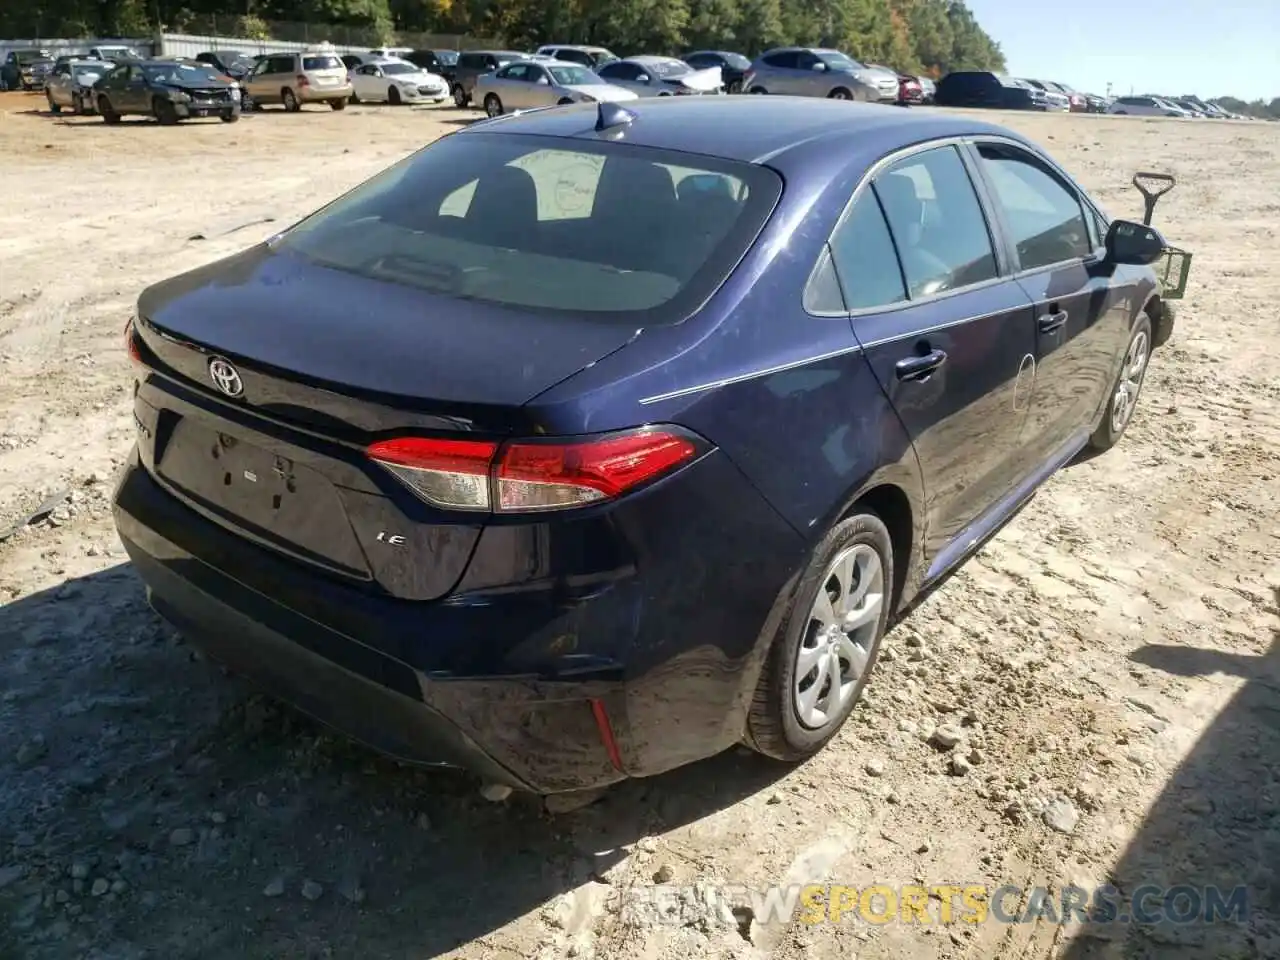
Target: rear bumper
{"x": 528, "y": 685}
{"x": 310, "y": 94}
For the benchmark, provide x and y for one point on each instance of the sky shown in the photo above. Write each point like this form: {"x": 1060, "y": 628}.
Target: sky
{"x": 1174, "y": 47}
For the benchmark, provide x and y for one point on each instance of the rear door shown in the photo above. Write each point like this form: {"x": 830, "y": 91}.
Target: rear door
{"x": 949, "y": 336}
{"x": 782, "y": 76}
{"x": 1080, "y": 326}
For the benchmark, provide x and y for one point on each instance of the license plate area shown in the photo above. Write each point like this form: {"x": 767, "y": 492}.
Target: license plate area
{"x": 269, "y": 497}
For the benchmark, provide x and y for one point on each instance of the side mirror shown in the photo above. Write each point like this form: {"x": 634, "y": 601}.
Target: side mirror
{"x": 643, "y": 78}
{"x": 1134, "y": 243}
{"x": 820, "y": 67}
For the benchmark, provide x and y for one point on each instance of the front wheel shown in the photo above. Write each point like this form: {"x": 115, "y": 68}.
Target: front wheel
{"x": 460, "y": 97}
{"x": 1125, "y": 390}
{"x": 758, "y": 90}
{"x": 840, "y": 93}
{"x": 166, "y": 113}
{"x": 735, "y": 86}
{"x": 230, "y": 117}
{"x": 393, "y": 96}
{"x": 827, "y": 643}
{"x": 492, "y": 105}
{"x": 107, "y": 111}
{"x": 53, "y": 107}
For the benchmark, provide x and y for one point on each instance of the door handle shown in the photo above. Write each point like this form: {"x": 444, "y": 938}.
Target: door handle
{"x": 1050, "y": 322}
{"x": 919, "y": 368}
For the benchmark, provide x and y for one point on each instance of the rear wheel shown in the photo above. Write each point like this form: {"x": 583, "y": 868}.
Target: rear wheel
{"x": 337, "y": 104}
{"x": 840, "y": 93}
{"x": 460, "y": 97}
{"x": 53, "y": 107}
{"x": 290, "y": 100}
{"x": 735, "y": 86}
{"x": 107, "y": 111}
{"x": 1128, "y": 384}
{"x": 827, "y": 644}
{"x": 165, "y": 111}
{"x": 759, "y": 90}
{"x": 393, "y": 96}
{"x": 492, "y": 105}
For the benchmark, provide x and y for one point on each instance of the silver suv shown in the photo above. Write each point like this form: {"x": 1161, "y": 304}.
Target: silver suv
{"x": 817, "y": 72}
{"x": 294, "y": 79}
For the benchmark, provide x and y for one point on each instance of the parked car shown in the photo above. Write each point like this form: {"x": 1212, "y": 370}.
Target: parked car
{"x": 1144, "y": 107}
{"x": 815, "y": 72}
{"x": 390, "y": 53}
{"x": 543, "y": 82}
{"x": 397, "y": 82}
{"x": 115, "y": 52}
{"x": 167, "y": 90}
{"x": 1053, "y": 99}
{"x": 473, "y": 64}
{"x": 928, "y": 89}
{"x": 71, "y": 84}
{"x": 588, "y": 56}
{"x": 884, "y": 75}
{"x": 1192, "y": 109}
{"x": 230, "y": 63}
{"x": 1095, "y": 103}
{"x": 25, "y": 69}
{"x": 733, "y": 66}
{"x": 982, "y": 88}
{"x": 298, "y": 78}
{"x": 1075, "y": 101}
{"x": 661, "y": 77}
{"x": 680, "y": 516}
{"x": 432, "y": 62}
{"x": 909, "y": 89}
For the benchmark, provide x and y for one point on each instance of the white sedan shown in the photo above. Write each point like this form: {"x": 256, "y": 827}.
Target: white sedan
{"x": 396, "y": 82}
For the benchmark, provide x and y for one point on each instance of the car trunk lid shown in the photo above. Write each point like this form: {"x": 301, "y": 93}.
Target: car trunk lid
{"x": 269, "y": 389}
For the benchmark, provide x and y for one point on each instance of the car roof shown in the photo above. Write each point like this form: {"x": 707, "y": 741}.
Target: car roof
{"x": 652, "y": 58}
{"x": 497, "y": 53}
{"x": 750, "y": 129}
{"x": 585, "y": 47}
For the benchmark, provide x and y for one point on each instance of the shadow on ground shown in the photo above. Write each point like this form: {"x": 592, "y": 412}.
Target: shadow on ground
{"x": 1216, "y": 824}
{"x": 132, "y": 768}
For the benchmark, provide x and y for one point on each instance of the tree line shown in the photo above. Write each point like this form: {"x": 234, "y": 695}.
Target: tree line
{"x": 931, "y": 37}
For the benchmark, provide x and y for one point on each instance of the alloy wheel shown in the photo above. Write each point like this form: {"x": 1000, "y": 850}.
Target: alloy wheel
{"x": 1130, "y": 382}
{"x": 840, "y": 635}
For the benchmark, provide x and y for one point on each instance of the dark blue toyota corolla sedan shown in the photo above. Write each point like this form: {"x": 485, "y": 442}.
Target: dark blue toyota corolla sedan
{"x": 588, "y": 442}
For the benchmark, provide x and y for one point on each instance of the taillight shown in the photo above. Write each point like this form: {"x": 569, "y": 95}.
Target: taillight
{"x": 131, "y": 343}
{"x": 302, "y": 80}
{"x": 533, "y": 475}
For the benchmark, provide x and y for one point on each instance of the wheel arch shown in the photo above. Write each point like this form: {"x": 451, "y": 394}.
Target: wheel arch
{"x": 892, "y": 505}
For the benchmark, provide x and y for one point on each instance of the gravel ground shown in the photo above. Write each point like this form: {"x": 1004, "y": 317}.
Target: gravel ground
{"x": 1103, "y": 670}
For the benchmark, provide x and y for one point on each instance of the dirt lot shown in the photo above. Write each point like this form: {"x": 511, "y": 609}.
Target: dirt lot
{"x": 1110, "y": 660}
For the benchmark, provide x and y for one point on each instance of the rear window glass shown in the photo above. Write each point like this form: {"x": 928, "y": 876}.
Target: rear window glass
{"x": 321, "y": 63}
{"x": 607, "y": 230}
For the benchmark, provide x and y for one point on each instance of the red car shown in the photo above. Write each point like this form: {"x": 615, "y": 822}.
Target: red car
{"x": 909, "y": 89}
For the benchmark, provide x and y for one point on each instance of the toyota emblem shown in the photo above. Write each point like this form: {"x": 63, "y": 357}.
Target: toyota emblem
{"x": 226, "y": 377}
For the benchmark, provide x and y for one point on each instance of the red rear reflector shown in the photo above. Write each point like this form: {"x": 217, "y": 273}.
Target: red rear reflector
{"x": 302, "y": 80}
{"x": 547, "y": 476}
{"x": 448, "y": 473}
{"x": 131, "y": 343}
{"x": 523, "y": 476}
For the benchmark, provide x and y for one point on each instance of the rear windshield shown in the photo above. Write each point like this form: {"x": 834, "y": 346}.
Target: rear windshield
{"x": 321, "y": 63}
{"x": 390, "y": 69}
{"x": 447, "y": 57}
{"x": 602, "y": 229}
{"x": 669, "y": 68}
{"x": 572, "y": 76}
{"x": 30, "y": 56}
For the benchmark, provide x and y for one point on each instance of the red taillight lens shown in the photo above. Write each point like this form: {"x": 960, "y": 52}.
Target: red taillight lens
{"x": 548, "y": 476}
{"x": 448, "y": 473}
{"x": 131, "y": 343}
{"x": 528, "y": 476}
{"x": 302, "y": 80}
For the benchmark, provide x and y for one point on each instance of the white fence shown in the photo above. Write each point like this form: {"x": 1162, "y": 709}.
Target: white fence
{"x": 187, "y": 45}
{"x": 165, "y": 45}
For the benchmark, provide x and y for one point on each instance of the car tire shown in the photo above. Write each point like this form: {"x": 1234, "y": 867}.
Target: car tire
{"x": 337, "y": 104}
{"x": 290, "y": 100}
{"x": 460, "y": 98}
{"x": 164, "y": 110}
{"x": 107, "y": 111}
{"x": 492, "y": 105}
{"x": 393, "y": 96}
{"x": 354, "y": 98}
{"x": 1127, "y": 387}
{"x": 53, "y": 107}
{"x": 229, "y": 117}
{"x": 840, "y": 93}
{"x": 735, "y": 86}
{"x": 790, "y": 717}
{"x": 758, "y": 90}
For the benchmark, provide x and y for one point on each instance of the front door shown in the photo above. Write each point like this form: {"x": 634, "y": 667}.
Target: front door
{"x": 949, "y": 338}
{"x": 135, "y": 96}
{"x": 1080, "y": 327}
